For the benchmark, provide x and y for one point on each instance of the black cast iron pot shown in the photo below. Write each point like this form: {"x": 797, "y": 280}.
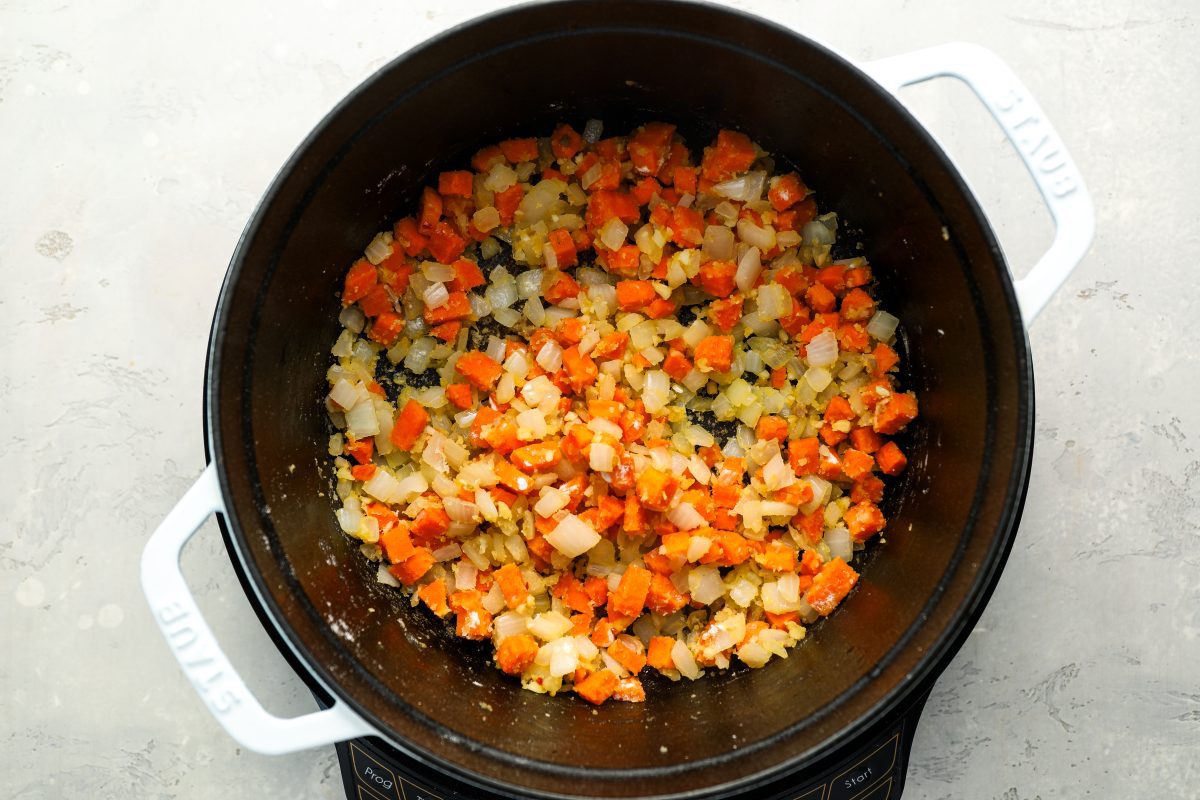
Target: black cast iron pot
{"x": 394, "y": 673}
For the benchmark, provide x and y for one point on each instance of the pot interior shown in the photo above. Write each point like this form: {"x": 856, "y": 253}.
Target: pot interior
{"x": 519, "y": 73}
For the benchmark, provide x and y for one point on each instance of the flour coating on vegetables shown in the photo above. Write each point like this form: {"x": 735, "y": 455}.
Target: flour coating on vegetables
{"x": 610, "y": 404}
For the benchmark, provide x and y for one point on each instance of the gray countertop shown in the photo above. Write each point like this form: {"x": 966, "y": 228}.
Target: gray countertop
{"x": 138, "y": 138}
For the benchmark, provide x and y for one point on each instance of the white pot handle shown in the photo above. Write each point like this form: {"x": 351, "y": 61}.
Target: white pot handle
{"x": 198, "y": 653}
{"x": 1035, "y": 140}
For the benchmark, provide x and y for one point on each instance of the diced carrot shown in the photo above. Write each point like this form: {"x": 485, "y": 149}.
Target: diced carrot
{"x": 857, "y": 306}
{"x": 456, "y": 307}
{"x": 717, "y": 278}
{"x": 360, "y": 450}
{"x": 726, "y": 313}
{"x": 853, "y": 337}
{"x": 858, "y": 276}
{"x": 512, "y": 584}
{"x": 360, "y": 280}
{"x": 629, "y": 598}
{"x": 564, "y": 287}
{"x": 779, "y": 621}
{"x": 727, "y": 550}
{"x": 508, "y": 201}
{"x": 410, "y": 424}
{"x": 565, "y": 142}
{"x": 487, "y": 158}
{"x": 769, "y": 427}
{"x": 830, "y": 586}
{"x": 833, "y": 277}
{"x": 894, "y": 412}
{"x": 376, "y": 301}
{"x": 733, "y": 153}
{"x": 457, "y": 183}
{"x": 687, "y": 227}
{"x": 479, "y": 369}
{"x": 538, "y": 457}
{"x": 819, "y": 298}
{"x": 564, "y": 247}
{"x": 605, "y": 204}
{"x": 433, "y": 594}
{"x": 447, "y": 331}
{"x": 786, "y": 191}
{"x": 655, "y": 489}
{"x": 891, "y": 458}
{"x": 413, "y": 568}
{"x": 629, "y": 690}
{"x": 407, "y": 234}
{"x": 645, "y": 189}
{"x": 868, "y": 490}
{"x": 512, "y": 477}
{"x": 629, "y": 652}
{"x": 633, "y": 295}
{"x": 467, "y": 276}
{"x": 397, "y": 544}
{"x": 660, "y": 308}
{"x": 459, "y": 394}
{"x": 517, "y": 150}
{"x": 804, "y": 455}
{"x": 885, "y": 359}
{"x": 856, "y": 464}
{"x": 663, "y": 597}
{"x": 386, "y": 328}
{"x": 777, "y": 557}
{"x": 597, "y": 687}
{"x": 779, "y": 377}
{"x": 431, "y": 523}
{"x": 677, "y": 365}
{"x": 362, "y": 472}
{"x": 625, "y": 260}
{"x": 445, "y": 244}
{"x": 611, "y": 346}
{"x": 581, "y": 369}
{"x": 714, "y": 354}
{"x": 516, "y": 653}
{"x": 596, "y": 588}
{"x": 474, "y": 621}
{"x": 570, "y": 331}
{"x": 635, "y": 516}
{"x": 649, "y": 147}
{"x": 685, "y": 179}
{"x": 605, "y": 409}
{"x": 431, "y": 211}
{"x": 866, "y": 439}
{"x": 658, "y": 654}
{"x": 864, "y": 520}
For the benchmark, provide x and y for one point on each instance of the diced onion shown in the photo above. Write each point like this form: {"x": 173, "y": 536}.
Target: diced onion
{"x": 509, "y": 624}
{"x": 882, "y": 326}
{"x": 748, "y": 270}
{"x": 774, "y": 301}
{"x": 705, "y": 584}
{"x": 501, "y": 295}
{"x": 763, "y": 238}
{"x": 549, "y": 357}
{"x": 822, "y": 351}
{"x": 552, "y": 500}
{"x": 529, "y": 284}
{"x": 683, "y": 516}
{"x": 613, "y": 233}
{"x": 436, "y": 295}
{"x": 417, "y": 359}
{"x": 549, "y": 625}
{"x": 719, "y": 243}
{"x": 572, "y": 537}
{"x": 840, "y": 544}
{"x": 684, "y": 661}
{"x": 603, "y": 457}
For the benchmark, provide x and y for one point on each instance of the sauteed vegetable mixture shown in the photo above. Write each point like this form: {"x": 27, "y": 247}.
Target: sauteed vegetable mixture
{"x": 610, "y": 404}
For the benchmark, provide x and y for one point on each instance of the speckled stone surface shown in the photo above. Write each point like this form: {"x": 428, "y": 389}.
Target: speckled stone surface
{"x": 138, "y": 137}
